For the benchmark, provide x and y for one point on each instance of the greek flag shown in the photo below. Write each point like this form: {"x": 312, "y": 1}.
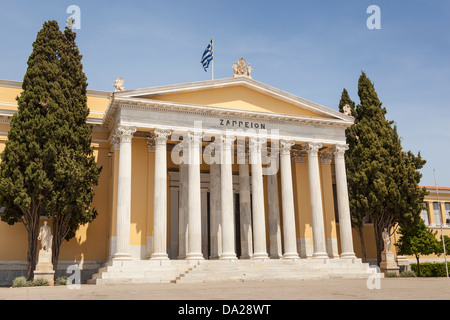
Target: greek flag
{"x": 207, "y": 55}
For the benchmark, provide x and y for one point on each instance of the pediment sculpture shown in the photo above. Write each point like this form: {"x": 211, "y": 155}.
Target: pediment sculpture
{"x": 241, "y": 68}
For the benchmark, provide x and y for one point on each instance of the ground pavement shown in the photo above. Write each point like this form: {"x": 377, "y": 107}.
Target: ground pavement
{"x": 357, "y": 289}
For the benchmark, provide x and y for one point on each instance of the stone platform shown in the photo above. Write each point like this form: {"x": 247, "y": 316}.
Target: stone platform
{"x": 202, "y": 271}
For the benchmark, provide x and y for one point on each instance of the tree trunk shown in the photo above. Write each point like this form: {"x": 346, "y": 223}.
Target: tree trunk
{"x": 60, "y": 230}
{"x": 32, "y": 225}
{"x": 383, "y": 221}
{"x": 418, "y": 266}
{"x": 33, "y": 234}
{"x": 363, "y": 246}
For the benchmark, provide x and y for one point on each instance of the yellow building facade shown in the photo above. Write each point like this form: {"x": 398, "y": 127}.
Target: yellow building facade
{"x": 227, "y": 170}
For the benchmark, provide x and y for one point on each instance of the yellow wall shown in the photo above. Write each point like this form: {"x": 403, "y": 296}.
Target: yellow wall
{"x": 302, "y": 202}
{"x": 96, "y": 103}
{"x": 91, "y": 240}
{"x": 80, "y": 248}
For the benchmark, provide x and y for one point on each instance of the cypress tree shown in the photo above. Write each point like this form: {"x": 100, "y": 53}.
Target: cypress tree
{"x": 383, "y": 179}
{"x": 74, "y": 173}
{"x": 48, "y": 165}
{"x": 24, "y": 181}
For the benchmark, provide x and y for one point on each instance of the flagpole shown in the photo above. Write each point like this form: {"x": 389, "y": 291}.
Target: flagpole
{"x": 442, "y": 222}
{"x": 212, "y": 68}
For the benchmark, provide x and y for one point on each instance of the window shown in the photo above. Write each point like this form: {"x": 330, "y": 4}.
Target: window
{"x": 447, "y": 213}
{"x": 425, "y": 214}
{"x": 437, "y": 213}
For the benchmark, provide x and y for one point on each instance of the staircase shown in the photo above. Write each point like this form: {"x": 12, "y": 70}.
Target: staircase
{"x": 200, "y": 271}
{"x": 272, "y": 270}
{"x": 142, "y": 271}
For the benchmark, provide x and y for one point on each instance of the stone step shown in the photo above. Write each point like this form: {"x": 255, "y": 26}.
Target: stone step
{"x": 198, "y": 271}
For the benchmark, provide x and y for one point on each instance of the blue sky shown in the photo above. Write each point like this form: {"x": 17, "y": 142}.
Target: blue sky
{"x": 312, "y": 49}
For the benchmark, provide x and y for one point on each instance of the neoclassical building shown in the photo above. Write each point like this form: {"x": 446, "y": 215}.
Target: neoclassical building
{"x": 228, "y": 172}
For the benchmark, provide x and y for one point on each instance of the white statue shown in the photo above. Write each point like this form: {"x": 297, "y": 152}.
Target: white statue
{"x": 241, "y": 69}
{"x": 118, "y": 84}
{"x": 347, "y": 110}
{"x": 235, "y": 69}
{"x": 386, "y": 239}
{"x": 70, "y": 22}
{"x": 46, "y": 237}
{"x": 249, "y": 70}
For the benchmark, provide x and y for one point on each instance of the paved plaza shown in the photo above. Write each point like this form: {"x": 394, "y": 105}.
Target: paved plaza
{"x": 357, "y": 289}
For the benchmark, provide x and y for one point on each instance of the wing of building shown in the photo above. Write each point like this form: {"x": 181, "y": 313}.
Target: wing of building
{"x": 206, "y": 172}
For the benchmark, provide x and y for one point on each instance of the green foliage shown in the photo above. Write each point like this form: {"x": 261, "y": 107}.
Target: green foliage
{"x": 429, "y": 269}
{"x": 407, "y": 274}
{"x": 61, "y": 281}
{"x": 418, "y": 241}
{"x": 383, "y": 180}
{"x": 390, "y": 275}
{"x": 23, "y": 282}
{"x": 48, "y": 163}
{"x": 447, "y": 245}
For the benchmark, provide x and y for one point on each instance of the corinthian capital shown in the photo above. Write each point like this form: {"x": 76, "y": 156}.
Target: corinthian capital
{"x": 312, "y": 148}
{"x": 255, "y": 144}
{"x": 285, "y": 146}
{"x": 227, "y": 141}
{"x": 125, "y": 134}
{"x": 339, "y": 150}
{"x": 161, "y": 136}
{"x": 194, "y": 138}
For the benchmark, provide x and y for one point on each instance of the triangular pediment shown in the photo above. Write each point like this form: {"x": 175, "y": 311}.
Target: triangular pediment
{"x": 240, "y": 93}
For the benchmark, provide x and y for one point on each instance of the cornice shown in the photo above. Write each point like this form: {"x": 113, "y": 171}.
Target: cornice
{"x": 156, "y": 105}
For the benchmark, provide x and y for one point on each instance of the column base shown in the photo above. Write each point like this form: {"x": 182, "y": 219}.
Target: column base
{"x": 228, "y": 256}
{"x": 320, "y": 255}
{"x": 292, "y": 255}
{"x": 347, "y": 255}
{"x": 121, "y": 256}
{"x": 194, "y": 256}
{"x": 159, "y": 256}
{"x": 262, "y": 255}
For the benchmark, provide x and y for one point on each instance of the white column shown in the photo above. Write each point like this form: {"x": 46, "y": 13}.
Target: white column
{"x": 287, "y": 198}
{"x": 259, "y": 223}
{"x": 315, "y": 190}
{"x": 194, "y": 198}
{"x": 227, "y": 199}
{"x": 275, "y": 247}
{"x": 183, "y": 211}
{"x": 205, "y": 235}
{"x": 345, "y": 225}
{"x": 215, "y": 206}
{"x": 160, "y": 196}
{"x": 245, "y": 206}
{"x": 124, "y": 194}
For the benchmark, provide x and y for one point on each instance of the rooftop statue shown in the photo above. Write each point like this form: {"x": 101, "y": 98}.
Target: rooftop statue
{"x": 242, "y": 69}
{"x": 118, "y": 84}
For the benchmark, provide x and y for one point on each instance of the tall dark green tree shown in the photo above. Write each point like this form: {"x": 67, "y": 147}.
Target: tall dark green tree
{"x": 24, "y": 181}
{"x": 383, "y": 179}
{"x": 48, "y": 165}
{"x": 75, "y": 172}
